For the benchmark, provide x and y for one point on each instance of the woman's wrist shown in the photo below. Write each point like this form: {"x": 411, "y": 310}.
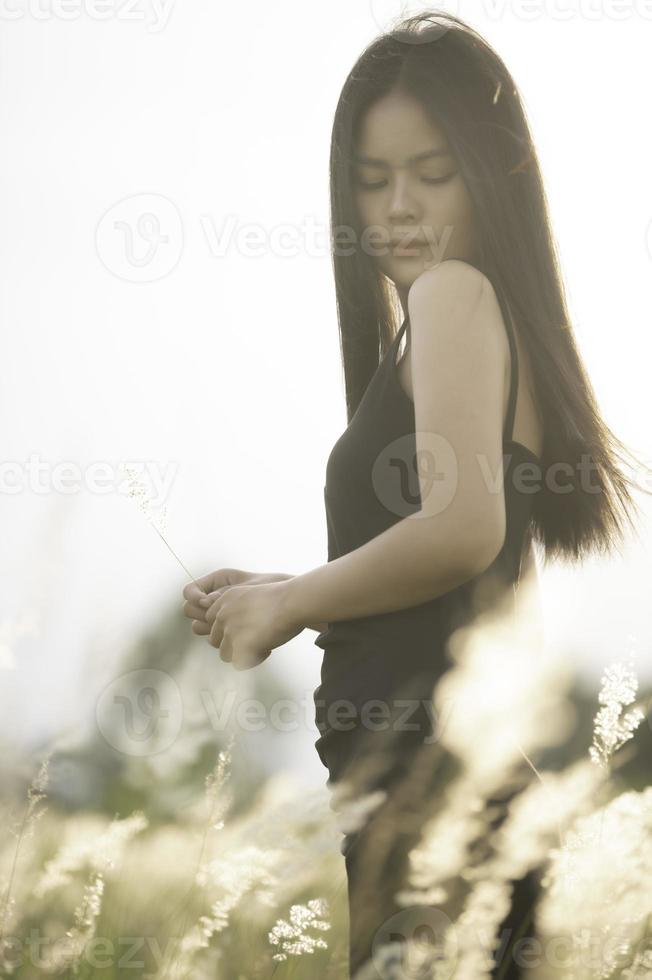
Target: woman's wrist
{"x": 291, "y": 612}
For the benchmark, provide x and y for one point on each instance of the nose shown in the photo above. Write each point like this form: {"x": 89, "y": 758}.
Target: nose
{"x": 402, "y": 205}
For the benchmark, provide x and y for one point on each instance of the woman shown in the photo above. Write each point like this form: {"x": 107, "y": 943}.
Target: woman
{"x": 436, "y": 185}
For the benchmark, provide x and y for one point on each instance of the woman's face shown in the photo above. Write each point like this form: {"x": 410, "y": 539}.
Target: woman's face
{"x": 408, "y": 187}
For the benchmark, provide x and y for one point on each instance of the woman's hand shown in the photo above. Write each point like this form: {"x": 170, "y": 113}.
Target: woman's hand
{"x": 214, "y": 583}
{"x": 248, "y": 621}
{"x": 243, "y": 613}
{"x": 211, "y": 585}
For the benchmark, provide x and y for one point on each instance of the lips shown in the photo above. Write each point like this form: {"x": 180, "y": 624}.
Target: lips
{"x": 406, "y": 249}
{"x": 410, "y": 243}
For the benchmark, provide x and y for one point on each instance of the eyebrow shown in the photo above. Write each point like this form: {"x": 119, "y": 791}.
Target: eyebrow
{"x": 426, "y": 155}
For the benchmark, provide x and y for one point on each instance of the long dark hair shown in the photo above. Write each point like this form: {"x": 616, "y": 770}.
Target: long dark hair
{"x": 466, "y": 89}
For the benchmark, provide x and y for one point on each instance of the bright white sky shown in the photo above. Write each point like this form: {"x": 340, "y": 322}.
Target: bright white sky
{"x": 222, "y": 367}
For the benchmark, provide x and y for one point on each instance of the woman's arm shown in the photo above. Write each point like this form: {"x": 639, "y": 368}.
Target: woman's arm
{"x": 459, "y": 353}
{"x": 205, "y": 588}
{"x": 319, "y": 627}
{"x": 404, "y": 566}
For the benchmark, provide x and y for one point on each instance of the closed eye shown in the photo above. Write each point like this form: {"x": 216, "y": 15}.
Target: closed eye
{"x": 376, "y": 185}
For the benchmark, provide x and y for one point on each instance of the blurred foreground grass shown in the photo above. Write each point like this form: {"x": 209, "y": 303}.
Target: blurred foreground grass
{"x": 216, "y": 869}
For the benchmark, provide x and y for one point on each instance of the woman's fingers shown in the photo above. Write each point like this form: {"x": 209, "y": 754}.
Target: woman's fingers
{"x": 193, "y": 610}
{"x": 250, "y": 658}
{"x": 200, "y": 627}
{"x": 196, "y": 592}
{"x": 197, "y": 608}
{"x": 218, "y": 640}
{"x": 200, "y": 587}
{"x": 193, "y": 593}
{"x": 207, "y": 601}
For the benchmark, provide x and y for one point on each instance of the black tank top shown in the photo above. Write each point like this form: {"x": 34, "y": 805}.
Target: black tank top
{"x": 371, "y": 484}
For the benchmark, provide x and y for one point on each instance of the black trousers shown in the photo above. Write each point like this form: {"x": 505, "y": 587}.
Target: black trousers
{"x": 412, "y": 778}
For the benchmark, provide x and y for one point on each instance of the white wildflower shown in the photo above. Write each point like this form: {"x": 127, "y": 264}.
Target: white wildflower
{"x": 610, "y": 730}
{"x": 443, "y": 845}
{"x": 538, "y": 816}
{"x": 100, "y": 853}
{"x": 640, "y": 968}
{"x": 247, "y": 869}
{"x": 68, "y": 955}
{"x": 498, "y": 699}
{"x": 352, "y": 812}
{"x": 469, "y": 943}
{"x": 292, "y": 936}
{"x": 22, "y": 830}
{"x": 138, "y": 492}
{"x": 599, "y": 884}
{"x": 144, "y": 502}
{"x": 217, "y": 799}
